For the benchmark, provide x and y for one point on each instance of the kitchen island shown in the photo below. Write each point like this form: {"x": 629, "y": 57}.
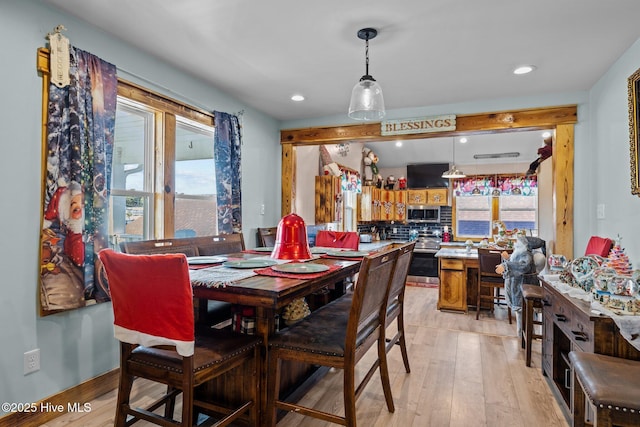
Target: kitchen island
{"x": 458, "y": 274}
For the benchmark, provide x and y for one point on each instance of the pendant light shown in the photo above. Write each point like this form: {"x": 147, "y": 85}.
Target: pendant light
{"x": 367, "y": 102}
{"x": 454, "y": 172}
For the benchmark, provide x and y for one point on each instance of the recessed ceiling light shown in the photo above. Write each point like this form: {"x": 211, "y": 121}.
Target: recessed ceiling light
{"x": 398, "y": 143}
{"x": 546, "y": 134}
{"x": 297, "y": 98}
{"x": 524, "y": 69}
{"x": 463, "y": 140}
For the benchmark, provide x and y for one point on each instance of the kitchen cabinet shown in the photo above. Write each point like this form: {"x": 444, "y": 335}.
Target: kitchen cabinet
{"x": 438, "y": 196}
{"x": 400, "y": 206}
{"x": 453, "y": 284}
{"x": 570, "y": 325}
{"x": 417, "y": 197}
{"x": 328, "y": 206}
{"x": 369, "y": 204}
{"x": 387, "y": 205}
{"x": 428, "y": 196}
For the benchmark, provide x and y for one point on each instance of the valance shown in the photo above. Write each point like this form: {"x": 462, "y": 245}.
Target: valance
{"x": 502, "y": 185}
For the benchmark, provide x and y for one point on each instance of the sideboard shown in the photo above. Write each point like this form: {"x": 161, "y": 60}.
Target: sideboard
{"x": 570, "y": 325}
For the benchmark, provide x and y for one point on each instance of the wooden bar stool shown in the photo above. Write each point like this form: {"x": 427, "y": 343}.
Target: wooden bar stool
{"x": 611, "y": 384}
{"x": 532, "y": 298}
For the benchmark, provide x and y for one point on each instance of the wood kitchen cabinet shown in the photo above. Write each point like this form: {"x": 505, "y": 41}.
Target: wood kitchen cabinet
{"x": 327, "y": 205}
{"x": 453, "y": 284}
{"x": 438, "y": 196}
{"x": 387, "y": 205}
{"x": 417, "y": 197}
{"x": 428, "y": 196}
{"x": 400, "y": 206}
{"x": 369, "y": 204}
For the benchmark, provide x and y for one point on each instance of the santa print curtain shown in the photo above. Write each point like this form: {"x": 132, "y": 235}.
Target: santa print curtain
{"x": 227, "y": 152}
{"x": 80, "y": 128}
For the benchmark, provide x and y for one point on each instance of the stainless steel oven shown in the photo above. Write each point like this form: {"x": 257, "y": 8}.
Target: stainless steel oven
{"x": 424, "y": 263}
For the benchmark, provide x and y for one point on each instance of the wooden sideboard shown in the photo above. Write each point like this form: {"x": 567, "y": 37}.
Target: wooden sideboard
{"x": 570, "y": 325}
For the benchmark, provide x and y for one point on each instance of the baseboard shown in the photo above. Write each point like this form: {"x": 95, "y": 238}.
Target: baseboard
{"x": 83, "y": 392}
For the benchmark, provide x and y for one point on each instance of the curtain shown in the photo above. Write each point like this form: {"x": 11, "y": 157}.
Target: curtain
{"x": 227, "y": 152}
{"x": 496, "y": 186}
{"x": 79, "y": 144}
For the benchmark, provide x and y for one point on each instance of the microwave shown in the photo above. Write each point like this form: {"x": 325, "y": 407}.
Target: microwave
{"x": 422, "y": 213}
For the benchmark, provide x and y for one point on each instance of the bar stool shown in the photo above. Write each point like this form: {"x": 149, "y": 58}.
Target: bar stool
{"x": 611, "y": 384}
{"x": 532, "y": 299}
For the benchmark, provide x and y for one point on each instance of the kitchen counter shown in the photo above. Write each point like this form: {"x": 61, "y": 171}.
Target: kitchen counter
{"x": 376, "y": 245}
{"x": 457, "y": 253}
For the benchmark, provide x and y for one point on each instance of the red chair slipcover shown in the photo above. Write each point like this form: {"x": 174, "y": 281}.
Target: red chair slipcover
{"x": 599, "y": 246}
{"x": 152, "y": 299}
{"x": 338, "y": 239}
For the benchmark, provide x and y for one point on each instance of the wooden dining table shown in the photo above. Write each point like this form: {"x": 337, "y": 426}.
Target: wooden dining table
{"x": 267, "y": 295}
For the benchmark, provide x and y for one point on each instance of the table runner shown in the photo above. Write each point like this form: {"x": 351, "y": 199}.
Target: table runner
{"x": 218, "y": 277}
{"x": 268, "y": 271}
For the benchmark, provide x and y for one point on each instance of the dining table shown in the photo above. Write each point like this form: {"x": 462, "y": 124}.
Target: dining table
{"x": 267, "y": 292}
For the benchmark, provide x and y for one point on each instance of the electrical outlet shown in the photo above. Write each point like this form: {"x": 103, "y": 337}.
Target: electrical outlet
{"x": 262, "y": 209}
{"x": 600, "y": 211}
{"x": 31, "y": 361}
{"x": 395, "y": 230}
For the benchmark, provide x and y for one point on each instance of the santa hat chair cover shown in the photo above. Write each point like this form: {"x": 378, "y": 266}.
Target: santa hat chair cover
{"x": 152, "y": 299}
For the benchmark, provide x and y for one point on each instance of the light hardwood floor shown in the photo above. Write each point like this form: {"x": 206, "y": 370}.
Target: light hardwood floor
{"x": 463, "y": 373}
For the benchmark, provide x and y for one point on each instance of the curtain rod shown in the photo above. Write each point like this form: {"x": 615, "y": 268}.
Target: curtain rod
{"x": 173, "y": 92}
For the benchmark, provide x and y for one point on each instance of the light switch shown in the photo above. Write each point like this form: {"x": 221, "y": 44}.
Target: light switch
{"x": 600, "y": 211}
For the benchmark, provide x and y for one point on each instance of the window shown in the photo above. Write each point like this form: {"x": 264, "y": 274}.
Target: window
{"x": 473, "y": 216}
{"x": 479, "y": 201}
{"x": 163, "y": 180}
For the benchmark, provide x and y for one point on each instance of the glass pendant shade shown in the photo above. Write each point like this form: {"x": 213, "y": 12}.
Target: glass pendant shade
{"x": 367, "y": 102}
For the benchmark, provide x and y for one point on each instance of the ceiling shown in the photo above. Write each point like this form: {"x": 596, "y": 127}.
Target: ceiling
{"x": 427, "y": 52}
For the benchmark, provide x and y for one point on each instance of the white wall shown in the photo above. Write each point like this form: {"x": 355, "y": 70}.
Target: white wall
{"x": 607, "y": 173}
{"x": 79, "y": 345}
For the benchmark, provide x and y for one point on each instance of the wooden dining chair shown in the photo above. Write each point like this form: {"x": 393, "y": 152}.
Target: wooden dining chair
{"x": 267, "y": 236}
{"x": 209, "y": 312}
{"x": 395, "y": 301}
{"x": 489, "y": 279}
{"x": 160, "y": 246}
{"x": 218, "y": 244}
{"x": 338, "y": 335}
{"x": 338, "y": 239}
{"x": 158, "y": 342}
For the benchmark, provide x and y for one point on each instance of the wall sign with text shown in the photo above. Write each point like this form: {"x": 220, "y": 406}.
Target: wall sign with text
{"x": 419, "y": 125}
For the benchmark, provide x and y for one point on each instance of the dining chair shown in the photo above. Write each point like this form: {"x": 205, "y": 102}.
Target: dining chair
{"x": 338, "y": 239}
{"x": 160, "y": 246}
{"x": 338, "y": 335}
{"x": 218, "y": 244}
{"x": 209, "y": 312}
{"x": 267, "y": 236}
{"x": 395, "y": 301}
{"x": 489, "y": 279}
{"x": 158, "y": 342}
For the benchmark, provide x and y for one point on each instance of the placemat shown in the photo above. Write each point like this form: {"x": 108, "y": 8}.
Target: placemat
{"x": 270, "y": 272}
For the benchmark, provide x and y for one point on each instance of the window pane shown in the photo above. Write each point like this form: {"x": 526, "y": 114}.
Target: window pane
{"x": 195, "y": 180}
{"x": 473, "y": 216}
{"x": 131, "y": 210}
{"x": 519, "y": 212}
{"x": 128, "y": 220}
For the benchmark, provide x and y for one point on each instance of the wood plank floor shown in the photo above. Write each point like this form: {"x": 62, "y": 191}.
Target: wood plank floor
{"x": 463, "y": 373}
